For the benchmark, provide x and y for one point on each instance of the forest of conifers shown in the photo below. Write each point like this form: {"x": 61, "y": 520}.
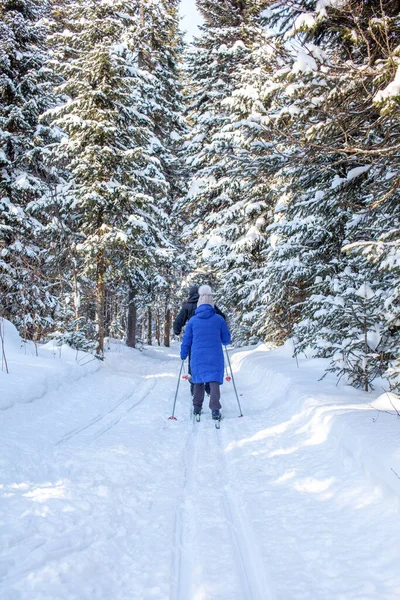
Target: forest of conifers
{"x": 263, "y": 159}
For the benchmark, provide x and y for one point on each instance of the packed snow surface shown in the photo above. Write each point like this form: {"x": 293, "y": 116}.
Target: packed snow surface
{"x": 103, "y": 497}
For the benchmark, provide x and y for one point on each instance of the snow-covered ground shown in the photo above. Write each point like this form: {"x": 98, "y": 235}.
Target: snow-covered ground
{"x": 103, "y": 498}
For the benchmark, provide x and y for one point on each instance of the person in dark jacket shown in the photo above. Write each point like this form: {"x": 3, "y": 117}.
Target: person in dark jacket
{"x": 204, "y": 335}
{"x": 187, "y": 312}
{"x": 188, "y": 309}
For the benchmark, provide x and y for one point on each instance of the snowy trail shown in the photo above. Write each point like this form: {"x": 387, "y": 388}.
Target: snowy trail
{"x": 102, "y": 417}
{"x": 208, "y": 512}
{"x": 324, "y": 527}
{"x": 253, "y": 570}
{"x": 185, "y": 532}
{"x": 71, "y": 454}
{"x": 101, "y": 496}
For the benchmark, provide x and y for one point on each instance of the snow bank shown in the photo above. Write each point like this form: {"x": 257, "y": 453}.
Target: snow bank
{"x": 365, "y": 425}
{"x": 9, "y": 336}
{"x": 36, "y": 369}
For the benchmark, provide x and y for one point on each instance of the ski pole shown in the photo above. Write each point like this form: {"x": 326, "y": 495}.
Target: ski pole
{"x": 176, "y": 393}
{"x": 233, "y": 381}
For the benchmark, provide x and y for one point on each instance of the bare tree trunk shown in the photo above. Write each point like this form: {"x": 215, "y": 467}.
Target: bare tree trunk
{"x": 366, "y": 382}
{"x": 101, "y": 286}
{"x": 158, "y": 333}
{"x": 106, "y": 313}
{"x": 140, "y": 326}
{"x": 149, "y": 327}
{"x": 141, "y": 58}
{"x": 167, "y": 327}
{"x": 76, "y": 294}
{"x": 132, "y": 319}
{"x": 109, "y": 313}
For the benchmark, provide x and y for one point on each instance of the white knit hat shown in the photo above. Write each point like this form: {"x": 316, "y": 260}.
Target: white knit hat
{"x": 205, "y": 295}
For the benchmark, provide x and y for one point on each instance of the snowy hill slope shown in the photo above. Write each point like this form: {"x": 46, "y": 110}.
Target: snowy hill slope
{"x": 101, "y": 496}
{"x": 34, "y": 371}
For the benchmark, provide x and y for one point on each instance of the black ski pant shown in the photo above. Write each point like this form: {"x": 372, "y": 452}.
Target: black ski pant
{"x": 190, "y": 379}
{"x": 215, "y": 395}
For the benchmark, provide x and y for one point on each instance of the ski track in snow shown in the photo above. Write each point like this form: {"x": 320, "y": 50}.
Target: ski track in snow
{"x": 183, "y": 557}
{"x": 253, "y": 571}
{"x": 104, "y": 498}
{"x": 92, "y": 422}
{"x": 189, "y": 568}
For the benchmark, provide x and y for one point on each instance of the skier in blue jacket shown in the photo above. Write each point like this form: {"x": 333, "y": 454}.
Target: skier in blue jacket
{"x": 186, "y": 313}
{"x": 204, "y": 335}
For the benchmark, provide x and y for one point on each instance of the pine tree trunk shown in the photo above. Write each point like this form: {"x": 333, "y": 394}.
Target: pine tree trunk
{"x": 149, "y": 327}
{"x": 100, "y": 304}
{"x": 167, "y": 327}
{"x": 76, "y": 299}
{"x": 141, "y": 61}
{"x": 366, "y": 382}
{"x": 132, "y": 319}
{"x": 110, "y": 314}
{"x": 158, "y": 336}
{"x": 140, "y": 328}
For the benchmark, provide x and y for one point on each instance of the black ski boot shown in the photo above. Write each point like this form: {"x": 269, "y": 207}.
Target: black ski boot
{"x": 216, "y": 415}
{"x": 197, "y": 413}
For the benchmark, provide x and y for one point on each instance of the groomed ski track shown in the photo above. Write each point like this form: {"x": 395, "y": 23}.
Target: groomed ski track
{"x": 209, "y": 505}
{"x": 103, "y": 497}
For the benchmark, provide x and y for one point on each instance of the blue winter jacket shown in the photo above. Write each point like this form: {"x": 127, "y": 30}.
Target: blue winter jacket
{"x": 204, "y": 334}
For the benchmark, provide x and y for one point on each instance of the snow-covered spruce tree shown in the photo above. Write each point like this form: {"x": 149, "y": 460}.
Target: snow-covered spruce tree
{"x": 222, "y": 212}
{"x": 335, "y": 134}
{"x": 257, "y": 164}
{"x": 62, "y": 236}
{"x": 158, "y": 44}
{"x": 373, "y": 243}
{"x": 378, "y": 245}
{"x": 373, "y": 200}
{"x": 25, "y": 179}
{"x": 379, "y": 254}
{"x": 351, "y": 314}
{"x": 116, "y": 184}
{"x": 360, "y": 353}
{"x": 304, "y": 238}
{"x": 302, "y": 248}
